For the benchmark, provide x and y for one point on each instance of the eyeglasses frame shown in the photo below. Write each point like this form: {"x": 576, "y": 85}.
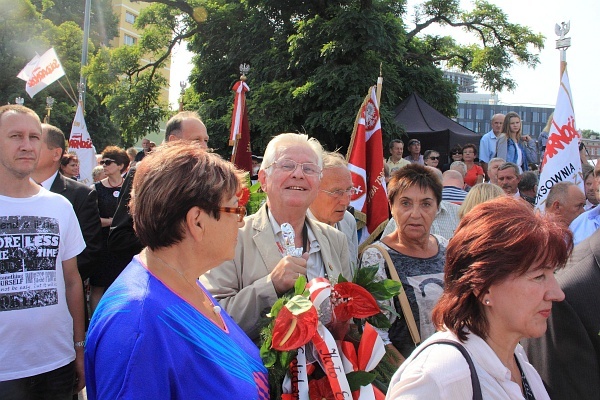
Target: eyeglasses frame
{"x": 301, "y": 166}
{"x": 240, "y": 211}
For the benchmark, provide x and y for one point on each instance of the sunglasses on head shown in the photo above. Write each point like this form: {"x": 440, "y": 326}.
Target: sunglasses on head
{"x": 107, "y": 162}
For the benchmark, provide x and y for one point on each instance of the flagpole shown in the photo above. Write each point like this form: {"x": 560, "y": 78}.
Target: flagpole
{"x": 379, "y": 85}
{"x": 84, "y": 51}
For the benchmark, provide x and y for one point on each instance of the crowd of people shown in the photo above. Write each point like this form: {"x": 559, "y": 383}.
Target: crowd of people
{"x": 497, "y": 300}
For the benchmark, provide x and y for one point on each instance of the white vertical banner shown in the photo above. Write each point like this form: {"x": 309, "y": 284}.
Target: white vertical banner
{"x": 41, "y": 71}
{"x": 561, "y": 162}
{"x": 80, "y": 143}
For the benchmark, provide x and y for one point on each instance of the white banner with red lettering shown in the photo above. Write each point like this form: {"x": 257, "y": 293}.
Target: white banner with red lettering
{"x": 561, "y": 162}
{"x": 80, "y": 143}
{"x": 365, "y": 162}
{"x": 41, "y": 71}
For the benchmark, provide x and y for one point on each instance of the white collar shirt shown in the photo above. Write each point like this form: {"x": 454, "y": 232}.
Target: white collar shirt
{"x": 441, "y": 372}
{"x": 585, "y": 224}
{"x": 314, "y": 265}
{"x": 47, "y": 184}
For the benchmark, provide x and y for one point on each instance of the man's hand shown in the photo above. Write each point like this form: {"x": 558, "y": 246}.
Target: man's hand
{"x": 287, "y": 270}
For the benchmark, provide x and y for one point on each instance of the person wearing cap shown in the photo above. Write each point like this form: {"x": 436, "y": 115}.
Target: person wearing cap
{"x": 414, "y": 149}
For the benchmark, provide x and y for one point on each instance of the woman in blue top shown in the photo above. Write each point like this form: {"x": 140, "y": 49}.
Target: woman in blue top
{"x": 510, "y": 144}
{"x": 157, "y": 333}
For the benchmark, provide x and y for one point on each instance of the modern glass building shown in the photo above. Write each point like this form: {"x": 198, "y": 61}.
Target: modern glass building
{"x": 477, "y": 116}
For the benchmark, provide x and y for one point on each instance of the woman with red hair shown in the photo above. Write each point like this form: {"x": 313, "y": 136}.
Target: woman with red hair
{"x": 499, "y": 289}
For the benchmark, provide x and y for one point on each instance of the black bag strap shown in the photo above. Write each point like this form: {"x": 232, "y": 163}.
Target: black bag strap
{"x": 474, "y": 378}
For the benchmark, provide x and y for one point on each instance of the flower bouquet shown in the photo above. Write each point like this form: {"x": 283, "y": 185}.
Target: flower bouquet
{"x": 321, "y": 343}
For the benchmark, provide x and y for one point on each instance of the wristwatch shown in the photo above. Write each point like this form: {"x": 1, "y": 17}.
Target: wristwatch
{"x": 79, "y": 344}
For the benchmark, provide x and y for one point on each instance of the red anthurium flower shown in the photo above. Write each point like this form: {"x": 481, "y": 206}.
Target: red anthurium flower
{"x": 295, "y": 324}
{"x": 243, "y": 196}
{"x": 353, "y": 301}
{"x": 319, "y": 389}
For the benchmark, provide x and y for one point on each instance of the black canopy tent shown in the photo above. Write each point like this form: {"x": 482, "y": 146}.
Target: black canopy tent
{"x": 434, "y": 130}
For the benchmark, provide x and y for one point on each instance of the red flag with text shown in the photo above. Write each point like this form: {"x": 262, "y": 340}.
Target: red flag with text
{"x": 365, "y": 161}
{"x": 561, "y": 162}
{"x": 239, "y": 137}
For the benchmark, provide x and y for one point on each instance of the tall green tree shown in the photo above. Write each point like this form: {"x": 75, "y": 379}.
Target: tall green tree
{"x": 312, "y": 61}
{"x": 122, "y": 101}
{"x": 103, "y": 22}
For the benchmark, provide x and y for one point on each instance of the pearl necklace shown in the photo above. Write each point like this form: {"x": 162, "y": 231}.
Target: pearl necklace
{"x": 216, "y": 309}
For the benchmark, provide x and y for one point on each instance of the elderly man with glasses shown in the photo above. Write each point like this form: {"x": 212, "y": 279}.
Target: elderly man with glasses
{"x": 279, "y": 243}
{"x": 330, "y": 206}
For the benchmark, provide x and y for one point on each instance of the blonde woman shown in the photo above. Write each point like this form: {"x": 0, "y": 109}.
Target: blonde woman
{"x": 478, "y": 194}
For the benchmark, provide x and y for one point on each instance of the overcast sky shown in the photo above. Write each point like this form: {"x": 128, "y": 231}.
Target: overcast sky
{"x": 534, "y": 86}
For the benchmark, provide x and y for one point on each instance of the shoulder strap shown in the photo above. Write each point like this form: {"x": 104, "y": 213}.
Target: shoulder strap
{"x": 477, "y": 395}
{"x": 404, "y": 304}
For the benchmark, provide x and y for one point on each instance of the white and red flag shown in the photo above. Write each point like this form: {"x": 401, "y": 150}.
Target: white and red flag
{"x": 80, "y": 143}
{"x": 41, "y": 71}
{"x": 365, "y": 161}
{"x": 561, "y": 162}
{"x": 239, "y": 137}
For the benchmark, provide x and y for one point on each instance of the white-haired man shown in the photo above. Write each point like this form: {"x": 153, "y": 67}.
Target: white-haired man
{"x": 262, "y": 271}
{"x": 487, "y": 144}
{"x": 333, "y": 199}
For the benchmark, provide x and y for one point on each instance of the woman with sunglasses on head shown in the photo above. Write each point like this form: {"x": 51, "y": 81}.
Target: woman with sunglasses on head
{"x": 474, "y": 172}
{"x": 115, "y": 161}
{"x": 431, "y": 158}
{"x": 158, "y": 333}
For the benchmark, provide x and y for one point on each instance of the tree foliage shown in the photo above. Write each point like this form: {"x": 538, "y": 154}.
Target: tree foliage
{"x": 313, "y": 61}
{"x": 23, "y": 33}
{"x": 588, "y": 133}
{"x": 122, "y": 103}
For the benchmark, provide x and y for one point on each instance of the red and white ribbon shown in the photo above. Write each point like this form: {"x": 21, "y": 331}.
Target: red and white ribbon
{"x": 296, "y": 382}
{"x": 240, "y": 88}
{"x": 370, "y": 352}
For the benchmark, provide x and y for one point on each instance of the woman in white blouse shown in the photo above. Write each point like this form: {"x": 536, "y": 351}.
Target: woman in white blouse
{"x": 499, "y": 289}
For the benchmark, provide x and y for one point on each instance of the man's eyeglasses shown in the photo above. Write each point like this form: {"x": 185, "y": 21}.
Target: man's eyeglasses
{"x": 434, "y": 158}
{"x": 288, "y": 165}
{"x": 107, "y": 162}
{"x": 341, "y": 192}
{"x": 240, "y": 211}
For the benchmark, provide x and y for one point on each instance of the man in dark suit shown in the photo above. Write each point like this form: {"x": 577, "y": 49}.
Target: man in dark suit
{"x": 568, "y": 355}
{"x": 122, "y": 240}
{"x": 83, "y": 198}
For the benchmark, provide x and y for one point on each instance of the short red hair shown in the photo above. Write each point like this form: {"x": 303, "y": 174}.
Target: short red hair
{"x": 496, "y": 239}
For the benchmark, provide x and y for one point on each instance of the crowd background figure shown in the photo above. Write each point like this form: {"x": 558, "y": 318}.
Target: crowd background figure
{"x": 311, "y": 189}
